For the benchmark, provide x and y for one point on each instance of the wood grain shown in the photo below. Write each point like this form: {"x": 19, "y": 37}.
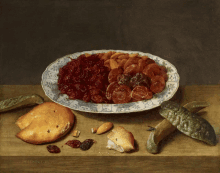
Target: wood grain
{"x": 175, "y": 149}
{"x": 110, "y": 164}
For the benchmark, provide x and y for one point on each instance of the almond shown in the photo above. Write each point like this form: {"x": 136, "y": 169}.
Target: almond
{"x": 104, "y": 128}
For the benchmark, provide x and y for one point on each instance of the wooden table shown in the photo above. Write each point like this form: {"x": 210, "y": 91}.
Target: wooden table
{"x": 179, "y": 153}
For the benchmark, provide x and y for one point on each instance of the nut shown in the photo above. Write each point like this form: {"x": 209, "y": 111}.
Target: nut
{"x": 104, "y": 128}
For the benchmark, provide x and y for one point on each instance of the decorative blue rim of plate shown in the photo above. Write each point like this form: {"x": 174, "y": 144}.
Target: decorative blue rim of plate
{"x": 50, "y": 87}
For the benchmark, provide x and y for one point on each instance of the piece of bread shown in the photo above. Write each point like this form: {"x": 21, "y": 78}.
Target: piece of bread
{"x": 45, "y": 123}
{"x": 120, "y": 140}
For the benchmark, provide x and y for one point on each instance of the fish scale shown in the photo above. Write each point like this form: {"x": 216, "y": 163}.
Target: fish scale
{"x": 20, "y": 101}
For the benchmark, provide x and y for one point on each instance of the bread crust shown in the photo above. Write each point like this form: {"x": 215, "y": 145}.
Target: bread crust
{"x": 123, "y": 138}
{"x": 45, "y": 123}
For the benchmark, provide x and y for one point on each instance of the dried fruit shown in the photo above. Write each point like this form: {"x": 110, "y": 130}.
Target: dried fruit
{"x": 141, "y": 93}
{"x": 131, "y": 69}
{"x": 53, "y": 149}
{"x": 88, "y": 77}
{"x": 122, "y": 63}
{"x": 133, "y": 55}
{"x": 130, "y": 61}
{"x": 125, "y": 56}
{"x": 111, "y": 87}
{"x": 157, "y": 84}
{"x": 97, "y": 98}
{"x": 107, "y": 55}
{"x": 113, "y": 64}
{"x": 152, "y": 70}
{"x": 140, "y": 79}
{"x": 121, "y": 95}
{"x": 116, "y": 55}
{"x": 141, "y": 65}
{"x": 73, "y": 143}
{"x": 87, "y": 144}
{"x": 145, "y": 57}
{"x": 124, "y": 79}
{"x": 112, "y": 76}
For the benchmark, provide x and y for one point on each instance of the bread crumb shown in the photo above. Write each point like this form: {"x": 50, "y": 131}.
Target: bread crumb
{"x": 76, "y": 133}
{"x": 94, "y": 130}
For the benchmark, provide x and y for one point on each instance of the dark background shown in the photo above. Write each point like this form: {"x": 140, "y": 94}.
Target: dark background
{"x": 34, "y": 33}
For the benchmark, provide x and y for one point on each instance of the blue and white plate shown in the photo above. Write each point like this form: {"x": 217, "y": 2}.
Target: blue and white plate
{"x": 50, "y": 87}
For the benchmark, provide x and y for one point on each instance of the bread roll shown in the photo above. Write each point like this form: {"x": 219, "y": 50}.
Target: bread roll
{"x": 45, "y": 123}
{"x": 120, "y": 140}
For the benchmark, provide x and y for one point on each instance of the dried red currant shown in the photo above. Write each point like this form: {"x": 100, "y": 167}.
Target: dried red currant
{"x": 53, "y": 149}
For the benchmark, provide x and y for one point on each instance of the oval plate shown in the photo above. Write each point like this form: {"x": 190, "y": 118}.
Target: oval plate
{"x": 50, "y": 87}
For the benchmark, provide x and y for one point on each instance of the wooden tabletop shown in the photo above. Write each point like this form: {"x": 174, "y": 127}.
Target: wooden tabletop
{"x": 178, "y": 153}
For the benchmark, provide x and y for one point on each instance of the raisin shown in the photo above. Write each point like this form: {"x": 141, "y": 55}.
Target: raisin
{"x": 97, "y": 98}
{"x": 73, "y": 143}
{"x": 53, "y": 149}
{"x": 86, "y": 97}
{"x": 94, "y": 91}
{"x": 87, "y": 144}
{"x": 98, "y": 84}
